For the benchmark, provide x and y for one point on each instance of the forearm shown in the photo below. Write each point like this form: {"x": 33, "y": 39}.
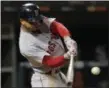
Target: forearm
{"x": 53, "y": 62}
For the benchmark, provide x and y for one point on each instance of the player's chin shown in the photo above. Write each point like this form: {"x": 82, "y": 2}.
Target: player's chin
{"x": 35, "y": 30}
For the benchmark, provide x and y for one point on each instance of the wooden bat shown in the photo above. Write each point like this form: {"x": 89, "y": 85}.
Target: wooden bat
{"x": 70, "y": 72}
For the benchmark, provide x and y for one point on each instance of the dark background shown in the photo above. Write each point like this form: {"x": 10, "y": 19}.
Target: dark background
{"x": 89, "y": 29}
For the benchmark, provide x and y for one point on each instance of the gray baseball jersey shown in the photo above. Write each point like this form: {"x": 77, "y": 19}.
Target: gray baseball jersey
{"x": 34, "y": 47}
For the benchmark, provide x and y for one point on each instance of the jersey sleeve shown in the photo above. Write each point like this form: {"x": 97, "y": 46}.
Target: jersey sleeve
{"x": 58, "y": 28}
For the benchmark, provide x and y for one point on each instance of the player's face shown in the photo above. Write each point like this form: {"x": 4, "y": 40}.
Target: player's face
{"x": 36, "y": 25}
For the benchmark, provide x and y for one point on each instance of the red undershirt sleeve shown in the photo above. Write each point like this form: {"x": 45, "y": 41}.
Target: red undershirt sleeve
{"x": 53, "y": 61}
{"x": 58, "y": 28}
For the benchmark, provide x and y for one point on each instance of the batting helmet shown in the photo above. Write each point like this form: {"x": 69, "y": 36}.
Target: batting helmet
{"x": 30, "y": 12}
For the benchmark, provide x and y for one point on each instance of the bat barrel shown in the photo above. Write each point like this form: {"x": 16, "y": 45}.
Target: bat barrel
{"x": 70, "y": 72}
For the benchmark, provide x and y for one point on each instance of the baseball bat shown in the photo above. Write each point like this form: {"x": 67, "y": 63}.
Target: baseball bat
{"x": 70, "y": 71}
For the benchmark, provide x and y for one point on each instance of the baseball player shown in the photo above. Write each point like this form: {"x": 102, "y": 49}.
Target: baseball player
{"x": 40, "y": 42}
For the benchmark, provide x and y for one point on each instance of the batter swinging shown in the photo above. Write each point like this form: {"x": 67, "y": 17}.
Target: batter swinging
{"x": 40, "y": 42}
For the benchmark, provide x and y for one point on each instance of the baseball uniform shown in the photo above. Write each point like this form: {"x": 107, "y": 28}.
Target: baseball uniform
{"x": 34, "y": 47}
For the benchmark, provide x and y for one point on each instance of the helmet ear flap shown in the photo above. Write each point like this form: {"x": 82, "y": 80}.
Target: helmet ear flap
{"x": 30, "y": 12}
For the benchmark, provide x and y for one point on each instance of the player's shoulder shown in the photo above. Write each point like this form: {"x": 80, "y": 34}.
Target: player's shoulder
{"x": 48, "y": 20}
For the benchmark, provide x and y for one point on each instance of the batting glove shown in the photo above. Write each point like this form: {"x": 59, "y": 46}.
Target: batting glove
{"x": 71, "y": 45}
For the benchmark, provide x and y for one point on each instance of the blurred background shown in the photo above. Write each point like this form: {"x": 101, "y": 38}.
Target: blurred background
{"x": 88, "y": 23}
